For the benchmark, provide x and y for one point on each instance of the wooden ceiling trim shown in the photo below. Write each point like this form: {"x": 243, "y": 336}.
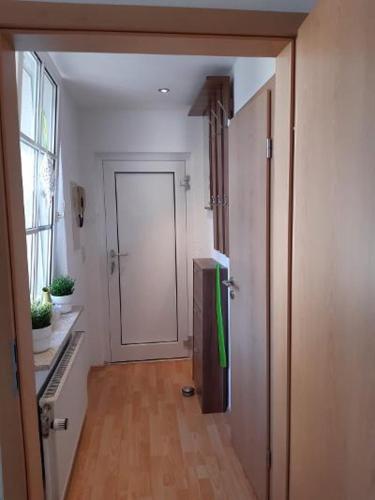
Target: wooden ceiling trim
{"x": 145, "y": 43}
{"x": 123, "y": 18}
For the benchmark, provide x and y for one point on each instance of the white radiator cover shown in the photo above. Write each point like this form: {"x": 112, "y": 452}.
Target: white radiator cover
{"x": 66, "y": 394}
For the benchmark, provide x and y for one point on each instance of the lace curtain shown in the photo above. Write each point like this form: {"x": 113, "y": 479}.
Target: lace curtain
{"x": 47, "y": 177}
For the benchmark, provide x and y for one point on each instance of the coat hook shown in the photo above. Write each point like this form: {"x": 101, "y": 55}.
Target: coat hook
{"x": 226, "y": 119}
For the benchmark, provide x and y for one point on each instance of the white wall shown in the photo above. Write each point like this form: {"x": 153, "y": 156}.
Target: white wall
{"x": 85, "y": 133}
{"x": 67, "y": 259}
{"x": 132, "y": 131}
{"x": 250, "y": 74}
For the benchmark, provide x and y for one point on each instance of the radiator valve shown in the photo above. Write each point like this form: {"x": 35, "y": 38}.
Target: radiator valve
{"x": 60, "y": 424}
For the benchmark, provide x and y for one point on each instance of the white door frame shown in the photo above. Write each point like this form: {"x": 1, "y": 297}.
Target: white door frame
{"x": 133, "y": 156}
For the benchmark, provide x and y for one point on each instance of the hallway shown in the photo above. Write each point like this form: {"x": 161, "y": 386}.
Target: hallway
{"x": 143, "y": 440}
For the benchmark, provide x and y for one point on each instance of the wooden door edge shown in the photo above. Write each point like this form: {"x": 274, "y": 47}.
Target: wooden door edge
{"x": 17, "y": 245}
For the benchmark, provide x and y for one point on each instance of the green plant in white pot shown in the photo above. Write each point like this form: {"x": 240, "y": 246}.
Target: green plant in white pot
{"x": 61, "y": 289}
{"x": 41, "y": 316}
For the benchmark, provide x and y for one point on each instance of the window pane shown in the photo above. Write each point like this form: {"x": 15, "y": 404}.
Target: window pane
{"x": 28, "y": 160}
{"x": 29, "y": 95}
{"x": 47, "y": 126}
{"x": 43, "y": 245}
{"x": 45, "y": 187}
{"x": 38, "y": 94}
{"x": 29, "y": 243}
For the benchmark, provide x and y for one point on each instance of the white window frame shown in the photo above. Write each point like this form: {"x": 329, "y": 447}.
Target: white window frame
{"x": 39, "y": 149}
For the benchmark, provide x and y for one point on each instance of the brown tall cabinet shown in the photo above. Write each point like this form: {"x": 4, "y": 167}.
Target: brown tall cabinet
{"x": 211, "y": 381}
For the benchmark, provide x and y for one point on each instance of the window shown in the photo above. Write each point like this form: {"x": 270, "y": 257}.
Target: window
{"x": 37, "y": 104}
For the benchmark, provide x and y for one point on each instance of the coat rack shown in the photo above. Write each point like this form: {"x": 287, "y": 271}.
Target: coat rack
{"x": 215, "y": 101}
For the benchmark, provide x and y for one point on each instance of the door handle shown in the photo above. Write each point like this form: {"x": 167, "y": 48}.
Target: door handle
{"x": 113, "y": 266}
{"x": 113, "y": 254}
{"x": 231, "y": 284}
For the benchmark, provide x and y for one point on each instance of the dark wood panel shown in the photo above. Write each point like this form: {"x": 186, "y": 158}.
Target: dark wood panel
{"x": 198, "y": 348}
{"x": 216, "y": 101}
{"x": 219, "y": 138}
{"x": 213, "y": 175}
{"x": 210, "y": 379}
{"x": 227, "y": 100}
{"x": 197, "y": 285}
{"x": 207, "y": 95}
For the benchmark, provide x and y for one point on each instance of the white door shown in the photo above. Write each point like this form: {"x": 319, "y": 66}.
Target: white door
{"x": 146, "y": 246}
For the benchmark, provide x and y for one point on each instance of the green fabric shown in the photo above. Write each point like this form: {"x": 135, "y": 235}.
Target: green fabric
{"x": 220, "y": 323}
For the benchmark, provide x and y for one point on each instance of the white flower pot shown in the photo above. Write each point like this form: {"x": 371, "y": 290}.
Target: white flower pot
{"x": 64, "y": 302}
{"x": 42, "y": 339}
{"x": 56, "y": 313}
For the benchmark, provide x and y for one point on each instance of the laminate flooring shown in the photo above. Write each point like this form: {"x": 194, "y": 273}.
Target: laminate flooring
{"x": 143, "y": 440}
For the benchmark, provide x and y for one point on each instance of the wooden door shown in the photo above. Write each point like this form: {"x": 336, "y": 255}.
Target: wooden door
{"x": 12, "y": 460}
{"x": 249, "y": 213}
{"x": 146, "y": 233}
{"x": 19, "y": 437}
{"x": 333, "y": 294}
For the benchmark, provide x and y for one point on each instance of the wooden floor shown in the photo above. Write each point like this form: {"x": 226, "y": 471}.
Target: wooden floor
{"x": 143, "y": 440}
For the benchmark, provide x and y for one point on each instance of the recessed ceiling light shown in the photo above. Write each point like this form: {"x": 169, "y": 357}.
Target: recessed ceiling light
{"x": 164, "y": 90}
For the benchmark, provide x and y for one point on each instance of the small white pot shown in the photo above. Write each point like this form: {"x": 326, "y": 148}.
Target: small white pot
{"x": 56, "y": 313}
{"x": 42, "y": 339}
{"x": 64, "y": 302}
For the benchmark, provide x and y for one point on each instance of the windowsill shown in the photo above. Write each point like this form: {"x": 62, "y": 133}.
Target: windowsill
{"x": 61, "y": 332}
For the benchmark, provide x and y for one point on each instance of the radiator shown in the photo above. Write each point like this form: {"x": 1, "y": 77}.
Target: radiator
{"x": 63, "y": 406}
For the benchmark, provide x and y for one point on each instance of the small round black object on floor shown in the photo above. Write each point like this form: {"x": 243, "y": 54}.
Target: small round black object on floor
{"x": 188, "y": 391}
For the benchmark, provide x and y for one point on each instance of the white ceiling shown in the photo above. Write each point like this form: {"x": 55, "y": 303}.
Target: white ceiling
{"x": 276, "y": 5}
{"x": 131, "y": 81}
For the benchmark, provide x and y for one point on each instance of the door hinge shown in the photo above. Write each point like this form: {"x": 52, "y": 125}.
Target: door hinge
{"x": 269, "y": 459}
{"x": 269, "y": 148}
{"x": 186, "y": 182}
{"x": 16, "y": 375}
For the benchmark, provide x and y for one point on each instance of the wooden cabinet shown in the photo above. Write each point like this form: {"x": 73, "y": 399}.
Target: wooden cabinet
{"x": 215, "y": 101}
{"x": 211, "y": 381}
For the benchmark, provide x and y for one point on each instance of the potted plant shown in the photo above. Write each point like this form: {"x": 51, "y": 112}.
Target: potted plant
{"x": 41, "y": 315}
{"x": 62, "y": 288}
